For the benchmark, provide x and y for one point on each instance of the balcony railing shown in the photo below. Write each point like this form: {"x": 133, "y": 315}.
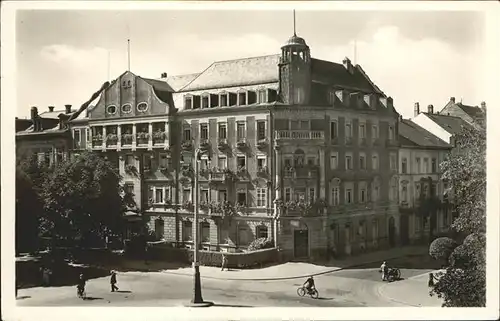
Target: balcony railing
{"x": 299, "y": 134}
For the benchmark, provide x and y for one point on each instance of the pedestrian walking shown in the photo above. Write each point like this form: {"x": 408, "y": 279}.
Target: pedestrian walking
{"x": 113, "y": 281}
{"x": 431, "y": 280}
{"x": 384, "y": 270}
{"x": 224, "y": 262}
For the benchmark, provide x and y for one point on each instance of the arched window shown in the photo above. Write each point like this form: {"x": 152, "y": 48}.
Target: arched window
{"x": 205, "y": 232}
{"x": 376, "y": 190}
{"x": 187, "y": 231}
{"x": 159, "y": 228}
{"x": 261, "y": 232}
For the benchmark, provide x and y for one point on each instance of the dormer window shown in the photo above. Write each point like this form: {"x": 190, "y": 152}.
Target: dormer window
{"x": 111, "y": 109}
{"x": 214, "y": 100}
{"x": 142, "y": 107}
{"x": 126, "y": 108}
{"x": 242, "y": 98}
{"x": 272, "y": 95}
{"x": 204, "y": 101}
{"x": 233, "y": 98}
{"x": 196, "y": 102}
{"x": 262, "y": 96}
{"x": 223, "y": 99}
{"x": 252, "y": 97}
{"x": 188, "y": 102}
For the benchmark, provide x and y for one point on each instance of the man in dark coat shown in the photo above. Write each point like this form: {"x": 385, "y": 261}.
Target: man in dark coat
{"x": 113, "y": 281}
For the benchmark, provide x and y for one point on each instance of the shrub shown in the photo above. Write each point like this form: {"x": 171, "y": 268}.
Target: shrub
{"x": 441, "y": 248}
{"x": 261, "y": 243}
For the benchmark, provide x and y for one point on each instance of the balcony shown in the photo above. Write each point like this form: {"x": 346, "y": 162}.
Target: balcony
{"x": 263, "y": 172}
{"x": 223, "y": 144}
{"x": 111, "y": 140}
{"x": 299, "y": 134}
{"x": 159, "y": 138}
{"x": 204, "y": 145}
{"x": 242, "y": 143}
{"x": 262, "y": 143}
{"x": 306, "y": 171}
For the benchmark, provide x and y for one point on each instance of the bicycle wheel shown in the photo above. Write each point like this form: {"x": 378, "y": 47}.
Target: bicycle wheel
{"x": 301, "y": 291}
{"x": 314, "y": 294}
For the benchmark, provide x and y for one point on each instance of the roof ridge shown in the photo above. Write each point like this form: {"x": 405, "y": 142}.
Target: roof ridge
{"x": 201, "y": 73}
{"x": 246, "y": 58}
{"x": 364, "y": 74}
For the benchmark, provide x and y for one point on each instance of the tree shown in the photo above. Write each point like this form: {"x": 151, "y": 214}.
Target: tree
{"x": 82, "y": 200}
{"x": 441, "y": 248}
{"x": 463, "y": 284}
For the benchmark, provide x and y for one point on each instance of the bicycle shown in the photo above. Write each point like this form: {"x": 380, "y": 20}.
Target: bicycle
{"x": 80, "y": 293}
{"x": 303, "y": 291}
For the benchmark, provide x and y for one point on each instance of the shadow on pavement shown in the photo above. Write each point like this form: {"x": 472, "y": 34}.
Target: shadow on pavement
{"x": 232, "y": 305}
{"x": 420, "y": 261}
{"x": 91, "y": 298}
{"x": 321, "y": 298}
{"x": 123, "y": 291}
{"x": 23, "y": 297}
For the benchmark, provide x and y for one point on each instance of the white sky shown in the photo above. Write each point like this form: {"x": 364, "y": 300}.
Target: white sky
{"x": 62, "y": 56}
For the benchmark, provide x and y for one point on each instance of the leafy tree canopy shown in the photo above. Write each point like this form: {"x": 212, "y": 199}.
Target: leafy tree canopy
{"x": 441, "y": 248}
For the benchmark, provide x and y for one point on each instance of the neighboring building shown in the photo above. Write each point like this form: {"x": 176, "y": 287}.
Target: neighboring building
{"x": 420, "y": 155}
{"x": 47, "y": 137}
{"x": 316, "y": 136}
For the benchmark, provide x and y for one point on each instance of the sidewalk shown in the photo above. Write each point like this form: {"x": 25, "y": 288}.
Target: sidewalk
{"x": 411, "y": 292}
{"x": 298, "y": 270}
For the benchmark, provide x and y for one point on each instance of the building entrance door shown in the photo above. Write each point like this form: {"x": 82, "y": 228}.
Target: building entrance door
{"x": 404, "y": 228}
{"x": 301, "y": 243}
{"x": 392, "y": 232}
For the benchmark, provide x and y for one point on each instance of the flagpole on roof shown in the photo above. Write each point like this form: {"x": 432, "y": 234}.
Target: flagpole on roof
{"x": 294, "y": 29}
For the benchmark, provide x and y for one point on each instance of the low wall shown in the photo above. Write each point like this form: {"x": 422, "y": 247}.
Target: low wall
{"x": 212, "y": 258}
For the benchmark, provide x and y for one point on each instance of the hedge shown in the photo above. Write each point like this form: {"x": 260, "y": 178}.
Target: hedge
{"x": 212, "y": 258}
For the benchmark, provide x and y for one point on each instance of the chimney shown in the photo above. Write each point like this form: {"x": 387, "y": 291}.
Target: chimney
{"x": 163, "y": 75}
{"x": 348, "y": 65}
{"x": 452, "y": 99}
{"x": 390, "y": 103}
{"x": 430, "y": 109}
{"x": 483, "y": 106}
{"x": 34, "y": 118}
{"x": 51, "y": 108}
{"x": 68, "y": 108}
{"x": 416, "y": 110}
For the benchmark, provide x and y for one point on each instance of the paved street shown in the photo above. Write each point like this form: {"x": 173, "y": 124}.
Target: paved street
{"x": 345, "y": 288}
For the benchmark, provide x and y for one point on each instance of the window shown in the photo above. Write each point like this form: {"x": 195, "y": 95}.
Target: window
{"x": 222, "y": 162}
{"x": 333, "y": 130}
{"x": 348, "y": 130}
{"x": 203, "y": 131}
{"x": 204, "y": 195}
{"x": 434, "y": 165}
{"x": 426, "y": 165}
{"x": 163, "y": 161}
{"x": 187, "y": 231}
{"x": 417, "y": 170}
{"x": 241, "y": 162}
{"x": 417, "y": 190}
{"x": 188, "y": 102}
{"x": 311, "y": 161}
{"x": 242, "y": 197}
{"x": 393, "y": 163}
{"x": 261, "y": 130}
{"x": 304, "y": 124}
{"x": 204, "y": 102}
{"x": 261, "y": 197}
{"x": 376, "y": 191}
{"x": 111, "y": 110}
{"x": 348, "y": 162}
{"x": 159, "y": 196}
{"x": 335, "y": 196}
{"x": 205, "y": 232}
{"x": 362, "y": 131}
{"x": 288, "y": 162}
{"x": 240, "y": 130}
{"x": 146, "y": 162}
{"x": 374, "y": 131}
{"x": 223, "y": 100}
{"x": 404, "y": 194}
{"x": 375, "y": 162}
{"x": 222, "y": 131}
{"x": 261, "y": 163}
{"x": 348, "y": 196}
{"x": 299, "y": 95}
{"x": 362, "y": 162}
{"x": 222, "y": 197}
{"x": 186, "y": 195}
{"x": 262, "y": 96}
{"x": 426, "y": 190}
{"x": 142, "y": 107}
{"x": 404, "y": 164}
{"x": 331, "y": 97}
{"x": 362, "y": 194}
{"x": 77, "y": 138}
{"x": 187, "y": 134}
{"x": 261, "y": 232}
{"x": 87, "y": 134}
{"x": 126, "y": 108}
{"x": 391, "y": 133}
{"x": 312, "y": 195}
{"x": 243, "y": 238}
{"x": 288, "y": 194}
{"x": 159, "y": 228}
{"x": 334, "y": 161}
{"x": 242, "y": 99}
{"x": 129, "y": 160}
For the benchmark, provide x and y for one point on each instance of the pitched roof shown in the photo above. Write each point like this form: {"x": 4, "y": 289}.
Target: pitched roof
{"x": 162, "y": 89}
{"x": 451, "y": 124}
{"x": 239, "y": 72}
{"x": 179, "y": 81}
{"x": 335, "y": 74}
{"x": 472, "y": 111}
{"x": 54, "y": 114}
{"x": 414, "y": 135}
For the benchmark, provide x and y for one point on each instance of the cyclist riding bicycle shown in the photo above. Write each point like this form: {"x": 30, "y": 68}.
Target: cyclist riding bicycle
{"x": 309, "y": 284}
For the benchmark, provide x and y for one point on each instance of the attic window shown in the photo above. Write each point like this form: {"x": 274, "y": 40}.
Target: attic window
{"x": 204, "y": 101}
{"x": 126, "y": 108}
{"x": 232, "y": 99}
{"x": 271, "y": 95}
{"x": 214, "y": 100}
{"x": 252, "y": 97}
{"x": 223, "y": 99}
{"x": 242, "y": 98}
{"x": 262, "y": 96}
{"x": 196, "y": 102}
{"x": 142, "y": 107}
{"x": 188, "y": 102}
{"x": 111, "y": 109}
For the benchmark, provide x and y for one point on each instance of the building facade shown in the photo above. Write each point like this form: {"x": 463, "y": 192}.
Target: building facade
{"x": 420, "y": 181}
{"x": 295, "y": 149}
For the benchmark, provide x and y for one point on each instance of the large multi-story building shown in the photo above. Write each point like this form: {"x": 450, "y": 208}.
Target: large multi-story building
{"x": 420, "y": 181}
{"x": 296, "y": 149}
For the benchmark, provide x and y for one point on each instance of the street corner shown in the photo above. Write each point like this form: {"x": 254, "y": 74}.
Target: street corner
{"x": 413, "y": 292}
